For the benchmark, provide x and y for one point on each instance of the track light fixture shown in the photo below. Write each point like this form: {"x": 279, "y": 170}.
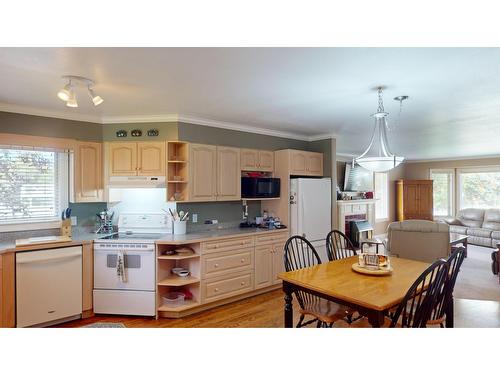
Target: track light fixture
{"x": 67, "y": 93}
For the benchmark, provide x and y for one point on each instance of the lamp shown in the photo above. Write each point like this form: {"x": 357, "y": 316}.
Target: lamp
{"x": 378, "y": 157}
{"x": 96, "y": 99}
{"x": 67, "y": 93}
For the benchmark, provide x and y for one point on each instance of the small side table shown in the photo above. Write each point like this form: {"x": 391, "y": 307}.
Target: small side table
{"x": 371, "y": 242}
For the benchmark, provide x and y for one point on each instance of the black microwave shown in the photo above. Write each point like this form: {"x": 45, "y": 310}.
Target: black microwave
{"x": 260, "y": 187}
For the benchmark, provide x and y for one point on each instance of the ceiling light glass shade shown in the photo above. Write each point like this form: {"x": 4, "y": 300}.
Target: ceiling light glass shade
{"x": 96, "y": 99}
{"x": 72, "y": 100}
{"x": 378, "y": 157}
{"x": 64, "y": 93}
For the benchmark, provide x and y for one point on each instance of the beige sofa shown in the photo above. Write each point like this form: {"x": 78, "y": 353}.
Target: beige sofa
{"x": 421, "y": 240}
{"x": 481, "y": 225}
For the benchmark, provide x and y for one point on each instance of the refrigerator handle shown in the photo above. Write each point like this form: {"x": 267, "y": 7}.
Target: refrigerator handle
{"x": 301, "y": 213}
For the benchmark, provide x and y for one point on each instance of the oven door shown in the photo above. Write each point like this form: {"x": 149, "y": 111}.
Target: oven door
{"x": 139, "y": 269}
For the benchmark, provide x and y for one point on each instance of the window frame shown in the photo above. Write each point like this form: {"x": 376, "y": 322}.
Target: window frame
{"x": 386, "y": 198}
{"x": 459, "y": 171}
{"x": 451, "y": 193}
{"x": 63, "y": 169}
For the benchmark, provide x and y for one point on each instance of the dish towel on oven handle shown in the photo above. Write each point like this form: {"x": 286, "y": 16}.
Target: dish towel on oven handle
{"x": 120, "y": 267}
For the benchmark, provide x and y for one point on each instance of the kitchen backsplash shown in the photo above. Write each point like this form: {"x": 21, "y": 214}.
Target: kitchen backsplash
{"x": 227, "y": 213}
{"x": 85, "y": 212}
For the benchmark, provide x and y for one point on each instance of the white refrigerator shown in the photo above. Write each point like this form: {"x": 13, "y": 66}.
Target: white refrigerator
{"x": 310, "y": 210}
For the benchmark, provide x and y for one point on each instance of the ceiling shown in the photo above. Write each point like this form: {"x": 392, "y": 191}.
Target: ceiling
{"x": 453, "y": 110}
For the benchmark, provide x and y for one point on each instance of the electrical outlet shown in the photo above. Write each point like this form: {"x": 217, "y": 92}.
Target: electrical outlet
{"x": 74, "y": 220}
{"x": 194, "y": 218}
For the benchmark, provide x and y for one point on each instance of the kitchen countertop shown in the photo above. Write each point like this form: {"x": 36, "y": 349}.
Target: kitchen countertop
{"x": 199, "y": 236}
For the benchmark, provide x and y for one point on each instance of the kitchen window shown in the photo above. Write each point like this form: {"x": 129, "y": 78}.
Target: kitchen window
{"x": 382, "y": 197}
{"x": 479, "y": 187}
{"x": 443, "y": 191}
{"x": 33, "y": 188}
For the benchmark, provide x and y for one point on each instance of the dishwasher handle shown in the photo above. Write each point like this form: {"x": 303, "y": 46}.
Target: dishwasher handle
{"x": 43, "y": 258}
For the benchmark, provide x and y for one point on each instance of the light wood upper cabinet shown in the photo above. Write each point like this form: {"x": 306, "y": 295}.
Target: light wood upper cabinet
{"x": 305, "y": 163}
{"x": 266, "y": 161}
{"x": 298, "y": 162}
{"x": 228, "y": 174}
{"x": 88, "y": 179}
{"x": 315, "y": 164}
{"x": 122, "y": 159}
{"x": 203, "y": 160}
{"x": 151, "y": 158}
{"x": 257, "y": 160}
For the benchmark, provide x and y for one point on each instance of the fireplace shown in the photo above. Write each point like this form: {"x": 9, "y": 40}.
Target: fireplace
{"x": 359, "y": 230}
{"x": 359, "y": 209}
{"x": 347, "y": 222}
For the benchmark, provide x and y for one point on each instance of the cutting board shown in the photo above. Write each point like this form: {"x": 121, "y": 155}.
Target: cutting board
{"x": 42, "y": 240}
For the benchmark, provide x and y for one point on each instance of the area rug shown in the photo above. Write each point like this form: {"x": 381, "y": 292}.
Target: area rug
{"x": 104, "y": 325}
{"x": 475, "y": 280}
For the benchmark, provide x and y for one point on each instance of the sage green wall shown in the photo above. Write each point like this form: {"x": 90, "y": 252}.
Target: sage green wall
{"x": 168, "y": 131}
{"x": 324, "y": 146}
{"x": 85, "y": 212}
{"x": 17, "y": 123}
{"x": 234, "y": 138}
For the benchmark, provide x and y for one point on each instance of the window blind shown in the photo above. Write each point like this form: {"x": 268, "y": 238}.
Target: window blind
{"x": 31, "y": 185}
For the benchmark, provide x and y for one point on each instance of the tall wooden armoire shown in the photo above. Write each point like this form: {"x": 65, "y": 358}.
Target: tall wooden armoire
{"x": 414, "y": 200}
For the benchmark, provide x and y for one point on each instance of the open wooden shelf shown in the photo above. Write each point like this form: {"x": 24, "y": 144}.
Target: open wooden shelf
{"x": 178, "y": 256}
{"x": 181, "y": 307}
{"x": 178, "y": 281}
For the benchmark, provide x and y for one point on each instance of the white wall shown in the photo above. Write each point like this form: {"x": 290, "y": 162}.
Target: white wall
{"x": 140, "y": 200}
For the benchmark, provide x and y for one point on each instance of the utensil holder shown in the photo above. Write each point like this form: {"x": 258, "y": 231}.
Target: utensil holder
{"x": 66, "y": 227}
{"x": 180, "y": 227}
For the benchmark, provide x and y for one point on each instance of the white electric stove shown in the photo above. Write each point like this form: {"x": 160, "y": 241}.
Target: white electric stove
{"x": 125, "y": 266}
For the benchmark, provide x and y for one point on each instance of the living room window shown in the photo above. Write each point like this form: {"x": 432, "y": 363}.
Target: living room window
{"x": 443, "y": 186}
{"x": 33, "y": 188}
{"x": 382, "y": 196}
{"x": 479, "y": 187}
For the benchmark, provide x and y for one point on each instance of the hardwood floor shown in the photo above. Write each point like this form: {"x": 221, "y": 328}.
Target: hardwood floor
{"x": 266, "y": 311}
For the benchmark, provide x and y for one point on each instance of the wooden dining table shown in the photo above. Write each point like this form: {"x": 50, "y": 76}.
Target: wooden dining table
{"x": 372, "y": 296}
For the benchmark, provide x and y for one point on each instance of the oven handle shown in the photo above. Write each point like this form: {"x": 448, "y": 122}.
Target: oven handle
{"x": 129, "y": 252}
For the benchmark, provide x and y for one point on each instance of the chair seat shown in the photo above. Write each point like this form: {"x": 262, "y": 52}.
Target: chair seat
{"x": 326, "y": 311}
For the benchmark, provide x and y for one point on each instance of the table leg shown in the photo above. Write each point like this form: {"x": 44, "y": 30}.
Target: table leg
{"x": 376, "y": 318}
{"x": 288, "y": 305}
{"x": 449, "y": 314}
{"x": 465, "y": 245}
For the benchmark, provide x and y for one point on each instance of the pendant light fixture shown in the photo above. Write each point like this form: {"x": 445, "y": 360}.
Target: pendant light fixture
{"x": 67, "y": 93}
{"x": 378, "y": 156}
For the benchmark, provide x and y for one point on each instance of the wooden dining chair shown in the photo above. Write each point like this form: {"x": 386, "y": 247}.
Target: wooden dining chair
{"x": 338, "y": 246}
{"x": 299, "y": 253}
{"x": 454, "y": 261}
{"x": 415, "y": 309}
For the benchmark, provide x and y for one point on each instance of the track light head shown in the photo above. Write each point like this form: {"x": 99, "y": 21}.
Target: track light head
{"x": 64, "y": 93}
{"x": 71, "y": 102}
{"x": 96, "y": 99}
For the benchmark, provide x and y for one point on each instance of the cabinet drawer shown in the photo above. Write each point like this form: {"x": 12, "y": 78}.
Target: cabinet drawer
{"x": 227, "y": 261}
{"x": 271, "y": 238}
{"x": 227, "y": 286}
{"x": 232, "y": 244}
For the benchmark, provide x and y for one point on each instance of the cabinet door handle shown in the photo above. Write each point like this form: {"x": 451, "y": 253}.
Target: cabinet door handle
{"x": 242, "y": 283}
{"x": 216, "y": 289}
{"x": 216, "y": 265}
{"x": 243, "y": 260}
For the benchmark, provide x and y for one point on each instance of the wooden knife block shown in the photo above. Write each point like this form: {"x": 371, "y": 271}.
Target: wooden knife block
{"x": 66, "y": 228}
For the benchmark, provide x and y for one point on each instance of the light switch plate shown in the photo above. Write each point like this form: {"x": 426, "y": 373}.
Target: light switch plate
{"x": 194, "y": 218}
{"x": 74, "y": 220}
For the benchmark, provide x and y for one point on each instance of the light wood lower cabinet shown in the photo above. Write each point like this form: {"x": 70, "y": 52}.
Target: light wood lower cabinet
{"x": 232, "y": 260}
{"x": 7, "y": 290}
{"x": 269, "y": 252}
{"x": 226, "y": 286}
{"x": 87, "y": 276}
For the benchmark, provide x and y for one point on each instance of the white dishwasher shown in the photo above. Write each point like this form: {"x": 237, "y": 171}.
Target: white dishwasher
{"x": 48, "y": 285}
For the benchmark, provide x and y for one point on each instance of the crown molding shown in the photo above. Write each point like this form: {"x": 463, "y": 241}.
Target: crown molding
{"x": 321, "y": 137}
{"x": 11, "y": 108}
{"x": 242, "y": 127}
{"x": 161, "y": 118}
{"x": 453, "y": 159}
{"x": 138, "y": 119}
